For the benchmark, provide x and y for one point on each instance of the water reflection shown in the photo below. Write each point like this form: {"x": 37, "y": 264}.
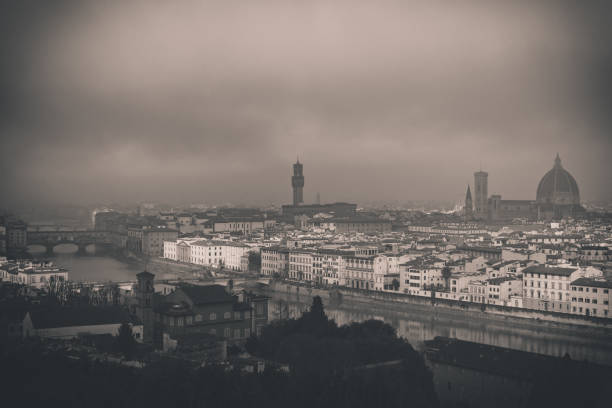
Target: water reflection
{"x": 41, "y": 251}
{"x": 87, "y": 268}
{"x": 417, "y": 326}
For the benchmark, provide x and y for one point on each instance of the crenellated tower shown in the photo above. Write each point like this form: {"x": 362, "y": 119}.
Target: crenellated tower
{"x": 297, "y": 182}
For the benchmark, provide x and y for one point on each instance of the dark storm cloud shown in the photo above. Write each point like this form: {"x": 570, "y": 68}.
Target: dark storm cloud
{"x": 212, "y": 101}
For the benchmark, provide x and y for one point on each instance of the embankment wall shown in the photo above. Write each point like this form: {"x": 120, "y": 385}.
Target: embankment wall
{"x": 400, "y": 300}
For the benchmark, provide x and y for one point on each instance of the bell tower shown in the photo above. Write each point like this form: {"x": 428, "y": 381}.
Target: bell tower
{"x": 144, "y": 309}
{"x": 297, "y": 182}
{"x": 481, "y": 208}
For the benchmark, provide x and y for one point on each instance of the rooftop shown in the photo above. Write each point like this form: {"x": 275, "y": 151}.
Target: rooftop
{"x": 359, "y": 220}
{"x": 201, "y": 295}
{"x": 78, "y": 316}
{"x": 550, "y": 270}
{"x": 480, "y": 248}
{"x": 592, "y": 282}
{"x": 498, "y": 281}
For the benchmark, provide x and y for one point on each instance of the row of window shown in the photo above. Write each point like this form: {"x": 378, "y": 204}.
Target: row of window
{"x": 188, "y": 320}
{"x": 587, "y": 300}
{"x": 44, "y": 278}
{"x": 553, "y": 285}
{"x": 227, "y": 332}
{"x": 543, "y": 295}
{"x": 593, "y": 290}
{"x": 303, "y": 268}
{"x": 300, "y": 276}
{"x": 545, "y": 276}
{"x": 359, "y": 275}
{"x": 299, "y": 259}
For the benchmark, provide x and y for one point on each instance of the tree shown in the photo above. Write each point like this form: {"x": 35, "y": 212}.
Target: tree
{"x": 251, "y": 344}
{"x": 432, "y": 288}
{"x": 124, "y": 342}
{"x": 446, "y": 274}
{"x": 254, "y": 261}
{"x": 395, "y": 285}
{"x": 317, "y": 310}
{"x": 115, "y": 294}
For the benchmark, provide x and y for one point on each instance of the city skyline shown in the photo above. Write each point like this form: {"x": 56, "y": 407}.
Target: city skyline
{"x": 323, "y": 203}
{"x": 311, "y": 196}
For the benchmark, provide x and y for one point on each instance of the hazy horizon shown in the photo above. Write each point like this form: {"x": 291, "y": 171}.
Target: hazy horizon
{"x": 391, "y": 101}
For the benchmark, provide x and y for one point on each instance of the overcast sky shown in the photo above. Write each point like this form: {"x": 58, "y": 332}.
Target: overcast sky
{"x": 388, "y": 100}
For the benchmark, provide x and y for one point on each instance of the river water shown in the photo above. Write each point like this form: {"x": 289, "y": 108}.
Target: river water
{"x": 417, "y": 326}
{"x": 90, "y": 267}
{"x": 414, "y": 325}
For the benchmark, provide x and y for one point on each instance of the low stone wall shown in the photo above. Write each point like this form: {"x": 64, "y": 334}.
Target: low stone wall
{"x": 298, "y": 289}
{"x": 167, "y": 269}
{"x": 395, "y": 300}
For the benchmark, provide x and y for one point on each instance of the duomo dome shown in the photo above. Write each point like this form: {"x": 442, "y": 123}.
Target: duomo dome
{"x": 558, "y": 187}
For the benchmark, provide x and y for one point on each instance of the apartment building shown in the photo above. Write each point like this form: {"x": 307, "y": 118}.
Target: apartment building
{"x": 459, "y": 282}
{"x": 328, "y": 266}
{"x": 149, "y": 240}
{"x": 591, "y": 297}
{"x": 275, "y": 261}
{"x": 359, "y": 272}
{"x": 301, "y": 265}
{"x": 226, "y": 254}
{"x": 35, "y": 274}
{"x": 362, "y": 225}
{"x": 387, "y": 269}
{"x": 501, "y": 289}
{"x": 477, "y": 291}
{"x": 421, "y": 273}
{"x": 548, "y": 287}
{"x": 242, "y": 225}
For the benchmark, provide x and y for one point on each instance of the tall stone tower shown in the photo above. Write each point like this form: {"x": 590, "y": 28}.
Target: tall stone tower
{"x": 467, "y": 209}
{"x": 144, "y": 310}
{"x": 297, "y": 182}
{"x": 481, "y": 208}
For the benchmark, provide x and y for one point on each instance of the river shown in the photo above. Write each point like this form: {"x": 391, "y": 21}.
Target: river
{"x": 90, "y": 267}
{"x": 416, "y": 326}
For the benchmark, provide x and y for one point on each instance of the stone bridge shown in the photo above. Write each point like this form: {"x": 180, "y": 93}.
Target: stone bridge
{"x": 50, "y": 238}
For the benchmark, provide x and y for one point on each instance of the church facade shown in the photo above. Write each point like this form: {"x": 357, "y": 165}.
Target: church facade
{"x": 557, "y": 196}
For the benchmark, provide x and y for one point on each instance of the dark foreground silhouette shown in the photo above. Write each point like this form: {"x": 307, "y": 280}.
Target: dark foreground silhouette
{"x": 361, "y": 365}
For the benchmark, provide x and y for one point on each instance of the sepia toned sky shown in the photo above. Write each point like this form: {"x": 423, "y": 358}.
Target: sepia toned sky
{"x": 213, "y": 100}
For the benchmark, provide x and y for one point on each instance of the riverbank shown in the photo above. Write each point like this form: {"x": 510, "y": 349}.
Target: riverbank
{"x": 164, "y": 269}
{"x": 452, "y": 308}
{"x": 168, "y": 269}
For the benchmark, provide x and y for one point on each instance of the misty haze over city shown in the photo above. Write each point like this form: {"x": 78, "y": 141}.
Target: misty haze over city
{"x": 306, "y": 203}
{"x": 212, "y": 101}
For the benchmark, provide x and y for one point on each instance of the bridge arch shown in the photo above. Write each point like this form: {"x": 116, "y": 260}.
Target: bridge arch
{"x": 82, "y": 239}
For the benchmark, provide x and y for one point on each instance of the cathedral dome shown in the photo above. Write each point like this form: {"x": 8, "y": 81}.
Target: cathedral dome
{"x": 558, "y": 187}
